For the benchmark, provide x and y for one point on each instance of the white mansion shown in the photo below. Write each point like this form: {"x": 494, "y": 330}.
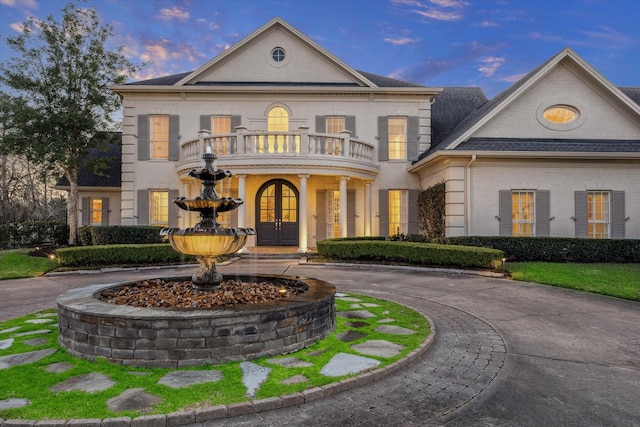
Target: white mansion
{"x": 318, "y": 149}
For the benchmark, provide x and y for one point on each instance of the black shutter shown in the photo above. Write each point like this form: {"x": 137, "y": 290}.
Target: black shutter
{"x": 505, "y": 212}
{"x": 412, "y": 138}
{"x": 86, "y": 210}
{"x": 321, "y": 213}
{"x": 143, "y": 137}
{"x": 581, "y": 206}
{"x": 413, "y": 212}
{"x": 173, "y": 209}
{"x": 543, "y": 213}
{"x": 143, "y": 207}
{"x": 205, "y": 122}
{"x": 383, "y": 211}
{"x": 383, "y": 139}
{"x": 105, "y": 211}
{"x": 174, "y": 135}
{"x": 350, "y": 125}
{"x": 617, "y": 215}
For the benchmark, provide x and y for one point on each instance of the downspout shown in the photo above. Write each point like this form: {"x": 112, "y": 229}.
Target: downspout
{"x": 467, "y": 202}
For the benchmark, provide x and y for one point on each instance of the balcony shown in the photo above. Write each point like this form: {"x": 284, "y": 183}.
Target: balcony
{"x": 301, "y": 151}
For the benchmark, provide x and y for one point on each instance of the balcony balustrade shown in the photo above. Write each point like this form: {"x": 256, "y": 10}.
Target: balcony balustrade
{"x": 300, "y": 143}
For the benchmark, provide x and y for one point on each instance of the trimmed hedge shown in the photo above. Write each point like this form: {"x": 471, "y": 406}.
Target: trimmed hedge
{"x": 412, "y": 253}
{"x": 119, "y": 235}
{"x": 29, "y": 234}
{"x": 556, "y": 248}
{"x": 120, "y": 255}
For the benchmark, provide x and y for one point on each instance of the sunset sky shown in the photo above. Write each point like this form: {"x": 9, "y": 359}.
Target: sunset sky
{"x": 486, "y": 43}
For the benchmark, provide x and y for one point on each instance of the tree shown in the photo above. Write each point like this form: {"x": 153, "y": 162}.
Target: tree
{"x": 61, "y": 77}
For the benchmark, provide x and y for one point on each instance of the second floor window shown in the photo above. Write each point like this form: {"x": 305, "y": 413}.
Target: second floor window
{"x": 397, "y": 138}
{"x": 335, "y": 125}
{"x": 220, "y": 125}
{"x": 159, "y": 136}
{"x": 96, "y": 211}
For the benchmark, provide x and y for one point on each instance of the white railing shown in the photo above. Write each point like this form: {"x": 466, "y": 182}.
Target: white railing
{"x": 293, "y": 143}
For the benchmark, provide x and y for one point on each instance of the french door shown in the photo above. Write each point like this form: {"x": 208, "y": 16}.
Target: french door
{"x": 277, "y": 214}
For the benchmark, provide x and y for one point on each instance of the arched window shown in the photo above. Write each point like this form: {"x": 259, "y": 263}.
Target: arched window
{"x": 278, "y": 126}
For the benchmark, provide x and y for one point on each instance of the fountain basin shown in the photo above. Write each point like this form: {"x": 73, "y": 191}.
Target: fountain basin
{"x": 191, "y": 241}
{"x": 170, "y": 337}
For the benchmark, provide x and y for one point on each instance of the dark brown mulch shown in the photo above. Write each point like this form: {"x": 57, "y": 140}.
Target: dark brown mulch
{"x": 178, "y": 294}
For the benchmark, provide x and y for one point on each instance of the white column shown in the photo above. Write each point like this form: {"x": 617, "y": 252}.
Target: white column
{"x": 343, "y": 206}
{"x": 242, "y": 210}
{"x": 367, "y": 208}
{"x": 302, "y": 215}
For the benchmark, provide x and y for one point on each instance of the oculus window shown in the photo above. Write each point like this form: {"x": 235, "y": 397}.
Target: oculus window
{"x": 278, "y": 54}
{"x": 560, "y": 114}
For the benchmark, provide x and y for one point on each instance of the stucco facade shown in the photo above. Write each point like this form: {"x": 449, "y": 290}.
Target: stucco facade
{"x": 318, "y": 149}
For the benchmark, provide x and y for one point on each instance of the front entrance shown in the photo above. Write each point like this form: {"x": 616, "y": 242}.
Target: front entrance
{"x": 277, "y": 214}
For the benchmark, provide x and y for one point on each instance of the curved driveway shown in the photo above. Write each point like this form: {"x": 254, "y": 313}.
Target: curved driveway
{"x": 506, "y": 353}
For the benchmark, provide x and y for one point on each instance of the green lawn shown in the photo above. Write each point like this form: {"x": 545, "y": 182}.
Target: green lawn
{"x": 617, "y": 280}
{"x": 17, "y": 264}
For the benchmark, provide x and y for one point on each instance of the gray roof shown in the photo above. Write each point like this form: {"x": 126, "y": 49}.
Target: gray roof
{"x": 380, "y": 81}
{"x": 451, "y": 107}
{"x": 557, "y": 145}
{"x": 111, "y": 176}
{"x": 632, "y": 92}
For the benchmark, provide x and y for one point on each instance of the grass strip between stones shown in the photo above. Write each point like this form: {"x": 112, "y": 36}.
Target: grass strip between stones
{"x": 32, "y": 382}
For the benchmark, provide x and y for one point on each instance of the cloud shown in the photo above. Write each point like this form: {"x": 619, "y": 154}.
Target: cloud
{"x": 174, "y": 13}
{"x": 490, "y": 65}
{"x": 488, "y": 24}
{"x": 401, "y": 40}
{"x": 609, "y": 35}
{"x": 26, "y": 4}
{"x": 544, "y": 37}
{"x": 435, "y": 9}
{"x": 422, "y": 72}
{"x": 513, "y": 78}
{"x": 18, "y": 27}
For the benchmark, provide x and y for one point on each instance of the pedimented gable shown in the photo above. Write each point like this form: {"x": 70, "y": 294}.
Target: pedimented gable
{"x": 299, "y": 60}
{"x": 599, "y": 113}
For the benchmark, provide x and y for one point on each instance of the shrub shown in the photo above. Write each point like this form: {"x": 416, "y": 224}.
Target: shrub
{"x": 26, "y": 234}
{"x": 120, "y": 255}
{"x": 410, "y": 252}
{"x": 556, "y": 248}
{"x": 119, "y": 235}
{"x": 431, "y": 211}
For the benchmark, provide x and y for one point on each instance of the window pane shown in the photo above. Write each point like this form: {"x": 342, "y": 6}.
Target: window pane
{"x": 277, "y": 121}
{"x": 288, "y": 204}
{"x": 397, "y": 138}
{"x": 159, "y": 135}
{"x": 96, "y": 211}
{"x": 333, "y": 214}
{"x": 220, "y": 125}
{"x": 523, "y": 213}
{"x": 268, "y": 204}
{"x": 335, "y": 125}
{"x": 598, "y": 214}
{"x": 159, "y": 206}
{"x": 397, "y": 212}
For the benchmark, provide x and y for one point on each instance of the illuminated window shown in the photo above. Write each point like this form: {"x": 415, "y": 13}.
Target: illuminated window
{"x": 397, "y": 212}
{"x": 523, "y": 219}
{"x": 397, "y": 138}
{"x": 159, "y": 207}
{"x": 560, "y": 114}
{"x": 278, "y": 54}
{"x": 289, "y": 205}
{"x": 159, "y": 135}
{"x": 220, "y": 125}
{"x": 333, "y": 214}
{"x": 598, "y": 214}
{"x": 278, "y": 123}
{"x": 96, "y": 211}
{"x": 268, "y": 204}
{"x": 335, "y": 125}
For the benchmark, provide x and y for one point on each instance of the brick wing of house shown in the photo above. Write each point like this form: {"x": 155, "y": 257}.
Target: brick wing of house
{"x": 318, "y": 149}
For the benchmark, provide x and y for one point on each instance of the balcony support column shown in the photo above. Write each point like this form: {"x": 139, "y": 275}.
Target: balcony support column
{"x": 345, "y": 138}
{"x": 241, "y": 146}
{"x": 367, "y": 208}
{"x": 343, "y": 206}
{"x": 242, "y": 209}
{"x": 304, "y": 139}
{"x": 302, "y": 216}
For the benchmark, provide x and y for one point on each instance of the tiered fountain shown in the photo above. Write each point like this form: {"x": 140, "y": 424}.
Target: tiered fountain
{"x": 168, "y": 336}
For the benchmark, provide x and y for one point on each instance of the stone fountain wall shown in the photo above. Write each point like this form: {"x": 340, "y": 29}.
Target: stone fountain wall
{"x": 127, "y": 335}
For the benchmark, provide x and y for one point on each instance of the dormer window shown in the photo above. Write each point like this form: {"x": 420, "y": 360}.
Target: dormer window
{"x": 278, "y": 54}
{"x": 560, "y": 114}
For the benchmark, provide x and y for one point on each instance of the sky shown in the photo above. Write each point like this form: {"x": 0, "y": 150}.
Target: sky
{"x": 437, "y": 43}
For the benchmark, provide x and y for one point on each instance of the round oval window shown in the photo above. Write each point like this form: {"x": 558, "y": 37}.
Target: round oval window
{"x": 278, "y": 54}
{"x": 560, "y": 114}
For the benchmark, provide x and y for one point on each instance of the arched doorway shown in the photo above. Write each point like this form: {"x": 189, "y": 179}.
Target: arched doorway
{"x": 277, "y": 214}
